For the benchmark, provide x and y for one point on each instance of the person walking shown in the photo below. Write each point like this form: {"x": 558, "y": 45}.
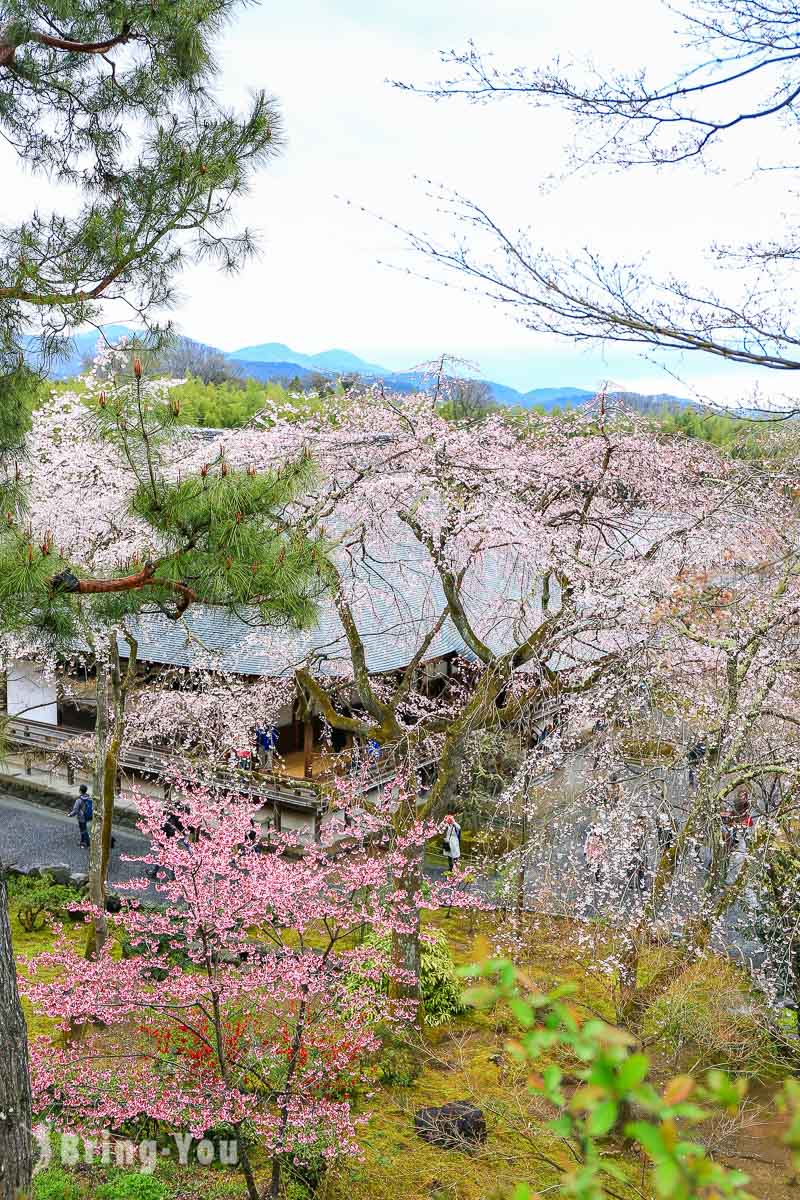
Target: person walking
{"x": 82, "y": 809}
{"x": 451, "y": 841}
{"x": 594, "y": 851}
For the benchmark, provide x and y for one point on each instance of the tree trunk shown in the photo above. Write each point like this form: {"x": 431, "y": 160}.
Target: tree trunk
{"x": 98, "y": 931}
{"x": 523, "y": 851}
{"x": 16, "y": 1147}
{"x": 308, "y": 747}
{"x": 112, "y": 692}
{"x": 244, "y": 1157}
{"x": 405, "y": 944}
{"x": 291, "y": 1070}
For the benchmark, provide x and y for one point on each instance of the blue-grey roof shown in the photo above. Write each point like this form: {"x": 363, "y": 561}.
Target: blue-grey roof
{"x": 215, "y": 639}
{"x": 396, "y": 598}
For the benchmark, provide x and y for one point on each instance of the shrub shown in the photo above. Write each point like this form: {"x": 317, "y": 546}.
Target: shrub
{"x": 439, "y": 987}
{"x": 133, "y": 1185}
{"x": 39, "y": 900}
{"x": 166, "y": 947}
{"x": 710, "y": 1011}
{"x": 54, "y": 1184}
{"x": 441, "y": 991}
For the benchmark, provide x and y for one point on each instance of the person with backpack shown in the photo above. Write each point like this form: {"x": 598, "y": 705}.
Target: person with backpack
{"x": 82, "y": 809}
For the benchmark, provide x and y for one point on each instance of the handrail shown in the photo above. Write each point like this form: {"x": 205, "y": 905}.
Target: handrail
{"x": 39, "y": 734}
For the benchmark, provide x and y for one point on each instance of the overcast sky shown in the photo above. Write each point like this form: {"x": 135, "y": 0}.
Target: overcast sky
{"x": 355, "y": 143}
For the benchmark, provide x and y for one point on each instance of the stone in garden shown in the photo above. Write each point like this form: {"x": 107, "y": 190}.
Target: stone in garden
{"x": 60, "y": 872}
{"x": 78, "y": 879}
{"x": 455, "y": 1126}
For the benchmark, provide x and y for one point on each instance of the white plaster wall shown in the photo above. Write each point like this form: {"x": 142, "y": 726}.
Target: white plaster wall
{"x": 30, "y": 694}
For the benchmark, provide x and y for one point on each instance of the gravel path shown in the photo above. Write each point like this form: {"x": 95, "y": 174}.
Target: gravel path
{"x": 31, "y": 835}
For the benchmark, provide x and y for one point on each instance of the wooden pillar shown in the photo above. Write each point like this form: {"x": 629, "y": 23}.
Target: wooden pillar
{"x": 308, "y": 746}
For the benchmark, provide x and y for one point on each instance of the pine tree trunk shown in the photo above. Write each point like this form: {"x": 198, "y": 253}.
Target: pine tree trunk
{"x": 16, "y": 1148}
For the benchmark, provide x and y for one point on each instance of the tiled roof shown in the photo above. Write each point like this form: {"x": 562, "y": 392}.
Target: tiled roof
{"x": 395, "y": 604}
{"x": 396, "y": 599}
{"x": 215, "y": 639}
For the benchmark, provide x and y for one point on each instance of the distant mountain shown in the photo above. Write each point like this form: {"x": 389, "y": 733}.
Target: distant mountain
{"x": 547, "y": 397}
{"x": 274, "y": 360}
{"x": 338, "y": 361}
{"x": 661, "y": 400}
{"x": 281, "y": 371}
{"x": 84, "y": 345}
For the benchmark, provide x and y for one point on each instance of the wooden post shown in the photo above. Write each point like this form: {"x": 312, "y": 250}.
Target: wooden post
{"x": 308, "y": 746}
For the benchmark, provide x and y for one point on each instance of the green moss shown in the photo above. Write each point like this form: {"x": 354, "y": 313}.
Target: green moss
{"x": 28, "y": 945}
{"x": 464, "y": 1059}
{"x": 55, "y": 1184}
{"x": 133, "y": 1185}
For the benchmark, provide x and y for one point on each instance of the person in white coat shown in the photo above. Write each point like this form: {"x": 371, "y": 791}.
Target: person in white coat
{"x": 451, "y": 841}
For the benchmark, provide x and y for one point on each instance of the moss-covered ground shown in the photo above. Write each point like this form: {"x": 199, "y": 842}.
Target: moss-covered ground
{"x": 465, "y": 1059}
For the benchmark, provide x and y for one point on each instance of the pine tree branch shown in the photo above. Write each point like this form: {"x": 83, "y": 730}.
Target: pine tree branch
{"x": 65, "y": 581}
{"x": 8, "y": 50}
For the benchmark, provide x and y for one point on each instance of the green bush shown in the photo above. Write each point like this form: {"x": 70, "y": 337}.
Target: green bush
{"x": 54, "y": 1184}
{"x": 133, "y": 1185}
{"x": 39, "y": 900}
{"x": 441, "y": 991}
{"x": 439, "y": 987}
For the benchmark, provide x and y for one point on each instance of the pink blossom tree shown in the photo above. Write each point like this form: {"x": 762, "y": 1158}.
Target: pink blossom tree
{"x": 247, "y": 1004}
{"x": 548, "y": 550}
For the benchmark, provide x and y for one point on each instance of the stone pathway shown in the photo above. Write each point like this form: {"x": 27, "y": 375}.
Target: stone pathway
{"x": 31, "y": 835}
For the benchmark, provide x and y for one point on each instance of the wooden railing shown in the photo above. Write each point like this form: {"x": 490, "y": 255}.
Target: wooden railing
{"x": 50, "y": 739}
